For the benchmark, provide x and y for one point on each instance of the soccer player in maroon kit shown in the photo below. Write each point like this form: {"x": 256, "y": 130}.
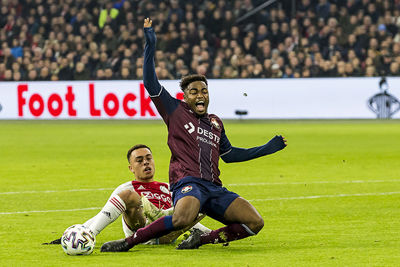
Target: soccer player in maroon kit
{"x": 197, "y": 140}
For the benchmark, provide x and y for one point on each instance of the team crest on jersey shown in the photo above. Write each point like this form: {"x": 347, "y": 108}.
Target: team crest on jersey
{"x": 215, "y": 124}
{"x": 164, "y": 189}
{"x": 186, "y": 189}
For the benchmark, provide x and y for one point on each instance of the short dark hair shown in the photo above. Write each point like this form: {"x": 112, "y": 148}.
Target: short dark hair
{"x": 134, "y": 148}
{"x": 192, "y": 78}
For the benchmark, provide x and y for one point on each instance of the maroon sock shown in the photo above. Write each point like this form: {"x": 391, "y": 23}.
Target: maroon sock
{"x": 156, "y": 229}
{"x": 225, "y": 234}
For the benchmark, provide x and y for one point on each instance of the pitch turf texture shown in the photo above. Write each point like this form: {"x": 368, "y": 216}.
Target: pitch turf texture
{"x": 331, "y": 198}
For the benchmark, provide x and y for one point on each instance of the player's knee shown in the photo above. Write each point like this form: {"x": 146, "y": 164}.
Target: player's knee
{"x": 180, "y": 222}
{"x": 258, "y": 224}
{"x": 131, "y": 199}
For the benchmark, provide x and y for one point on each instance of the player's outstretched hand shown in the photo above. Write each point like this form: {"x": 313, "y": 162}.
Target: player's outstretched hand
{"x": 277, "y": 143}
{"x": 147, "y": 23}
{"x": 280, "y": 141}
{"x": 284, "y": 140}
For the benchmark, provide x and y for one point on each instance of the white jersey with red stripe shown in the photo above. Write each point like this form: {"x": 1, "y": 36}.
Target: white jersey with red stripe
{"x": 156, "y": 192}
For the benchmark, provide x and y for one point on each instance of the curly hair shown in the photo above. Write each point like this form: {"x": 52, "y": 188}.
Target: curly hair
{"x": 192, "y": 78}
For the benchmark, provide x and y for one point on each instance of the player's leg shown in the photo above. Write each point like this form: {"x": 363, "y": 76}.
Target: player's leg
{"x": 241, "y": 211}
{"x": 153, "y": 213}
{"x": 126, "y": 202}
{"x": 201, "y": 228}
{"x": 241, "y": 217}
{"x": 187, "y": 200}
{"x": 187, "y": 206}
{"x": 133, "y": 215}
{"x": 186, "y": 211}
{"x": 175, "y": 234}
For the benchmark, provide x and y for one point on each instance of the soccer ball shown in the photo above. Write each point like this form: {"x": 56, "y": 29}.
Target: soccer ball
{"x": 78, "y": 240}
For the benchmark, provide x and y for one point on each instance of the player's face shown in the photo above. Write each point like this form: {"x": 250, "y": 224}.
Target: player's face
{"x": 142, "y": 164}
{"x": 196, "y": 96}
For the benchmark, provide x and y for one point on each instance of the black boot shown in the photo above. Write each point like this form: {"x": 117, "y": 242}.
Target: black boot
{"x": 115, "y": 246}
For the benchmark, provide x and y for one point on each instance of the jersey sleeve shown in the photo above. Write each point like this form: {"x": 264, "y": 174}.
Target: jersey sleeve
{"x": 224, "y": 146}
{"x": 164, "y": 102}
{"x": 237, "y": 154}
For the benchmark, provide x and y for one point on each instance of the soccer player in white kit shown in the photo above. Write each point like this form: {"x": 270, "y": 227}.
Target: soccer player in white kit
{"x": 140, "y": 201}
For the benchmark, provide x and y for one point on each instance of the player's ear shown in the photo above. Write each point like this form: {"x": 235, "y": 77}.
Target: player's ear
{"x": 131, "y": 169}
{"x": 185, "y": 95}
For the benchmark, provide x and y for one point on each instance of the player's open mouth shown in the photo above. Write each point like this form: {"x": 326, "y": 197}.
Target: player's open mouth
{"x": 200, "y": 105}
{"x": 147, "y": 169}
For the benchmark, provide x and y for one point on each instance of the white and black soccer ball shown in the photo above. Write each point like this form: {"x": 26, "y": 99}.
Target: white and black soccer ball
{"x": 78, "y": 240}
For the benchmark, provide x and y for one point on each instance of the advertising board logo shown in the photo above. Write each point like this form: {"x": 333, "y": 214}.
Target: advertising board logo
{"x": 32, "y": 102}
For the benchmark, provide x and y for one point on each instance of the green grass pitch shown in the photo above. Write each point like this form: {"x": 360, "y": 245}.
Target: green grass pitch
{"x": 331, "y": 198}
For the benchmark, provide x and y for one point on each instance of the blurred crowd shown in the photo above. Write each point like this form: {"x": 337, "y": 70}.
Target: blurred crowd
{"x": 103, "y": 40}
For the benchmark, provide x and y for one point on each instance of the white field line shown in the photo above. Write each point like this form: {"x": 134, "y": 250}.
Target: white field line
{"x": 244, "y": 184}
{"x": 251, "y": 200}
{"x": 328, "y": 196}
{"x": 57, "y": 191}
{"x": 318, "y": 182}
{"x": 42, "y": 211}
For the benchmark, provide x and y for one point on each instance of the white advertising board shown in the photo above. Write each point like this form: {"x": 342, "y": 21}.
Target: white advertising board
{"x": 330, "y": 98}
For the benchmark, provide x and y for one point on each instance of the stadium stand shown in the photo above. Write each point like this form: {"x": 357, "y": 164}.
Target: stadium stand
{"x": 102, "y": 40}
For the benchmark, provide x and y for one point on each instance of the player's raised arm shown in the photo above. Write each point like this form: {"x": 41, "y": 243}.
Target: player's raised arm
{"x": 235, "y": 154}
{"x": 149, "y": 74}
{"x": 164, "y": 102}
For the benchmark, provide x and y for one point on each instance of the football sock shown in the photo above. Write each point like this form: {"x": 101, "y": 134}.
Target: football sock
{"x": 156, "y": 229}
{"x": 90, "y": 221}
{"x": 226, "y": 234}
{"x": 201, "y": 227}
{"x": 114, "y": 207}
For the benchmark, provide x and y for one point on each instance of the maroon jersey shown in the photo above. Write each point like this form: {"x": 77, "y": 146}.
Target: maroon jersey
{"x": 156, "y": 192}
{"x": 196, "y": 142}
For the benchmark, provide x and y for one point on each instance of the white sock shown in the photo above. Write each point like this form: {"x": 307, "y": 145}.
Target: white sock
{"x": 114, "y": 207}
{"x": 90, "y": 221}
{"x": 201, "y": 228}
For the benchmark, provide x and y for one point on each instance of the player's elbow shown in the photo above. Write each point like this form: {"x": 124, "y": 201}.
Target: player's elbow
{"x": 227, "y": 158}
